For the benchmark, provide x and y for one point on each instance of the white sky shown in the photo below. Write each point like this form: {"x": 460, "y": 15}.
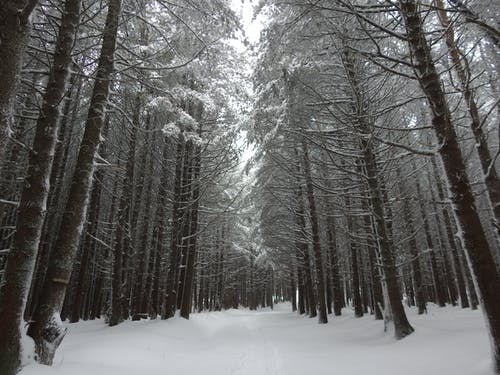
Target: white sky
{"x": 252, "y": 28}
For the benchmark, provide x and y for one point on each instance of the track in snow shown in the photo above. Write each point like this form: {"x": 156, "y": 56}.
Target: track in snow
{"x": 242, "y": 342}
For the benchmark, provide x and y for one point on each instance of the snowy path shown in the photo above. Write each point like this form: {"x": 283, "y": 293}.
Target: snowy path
{"x": 240, "y": 342}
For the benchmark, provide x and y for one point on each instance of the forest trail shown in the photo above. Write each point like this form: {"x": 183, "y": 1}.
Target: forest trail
{"x": 278, "y": 342}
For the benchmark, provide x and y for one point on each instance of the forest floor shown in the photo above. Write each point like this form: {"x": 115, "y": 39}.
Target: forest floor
{"x": 242, "y": 342}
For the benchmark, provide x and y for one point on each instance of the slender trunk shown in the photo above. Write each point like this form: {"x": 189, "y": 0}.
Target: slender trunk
{"x": 191, "y": 251}
{"x": 353, "y": 257}
{"x": 303, "y": 248}
{"x": 123, "y": 242}
{"x": 418, "y": 286}
{"x": 439, "y": 297}
{"x": 176, "y": 235}
{"x": 144, "y": 253}
{"x": 318, "y": 260}
{"x": 334, "y": 266}
{"x": 464, "y": 300}
{"x": 376, "y": 198}
{"x": 184, "y": 223}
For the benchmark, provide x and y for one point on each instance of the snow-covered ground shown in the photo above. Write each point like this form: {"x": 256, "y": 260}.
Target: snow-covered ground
{"x": 447, "y": 341}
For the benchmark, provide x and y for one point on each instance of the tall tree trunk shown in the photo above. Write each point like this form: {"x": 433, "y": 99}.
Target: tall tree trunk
{"x": 191, "y": 250}
{"x": 46, "y": 328}
{"x": 353, "y": 257}
{"x": 334, "y": 265}
{"x": 184, "y": 223}
{"x": 376, "y": 197}
{"x": 464, "y": 300}
{"x": 439, "y": 297}
{"x": 32, "y": 208}
{"x": 480, "y": 255}
{"x": 144, "y": 251}
{"x": 318, "y": 259}
{"x": 88, "y": 247}
{"x": 176, "y": 234}
{"x": 418, "y": 286}
{"x": 303, "y": 249}
{"x": 123, "y": 242}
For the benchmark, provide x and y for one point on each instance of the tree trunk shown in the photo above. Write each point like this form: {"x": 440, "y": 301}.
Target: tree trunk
{"x": 123, "y": 242}
{"x": 318, "y": 260}
{"x": 191, "y": 250}
{"x": 418, "y": 286}
{"x": 464, "y": 300}
{"x": 376, "y": 198}
{"x": 353, "y": 257}
{"x": 176, "y": 235}
{"x": 439, "y": 297}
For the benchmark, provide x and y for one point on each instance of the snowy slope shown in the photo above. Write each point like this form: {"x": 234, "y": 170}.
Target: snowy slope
{"x": 239, "y": 342}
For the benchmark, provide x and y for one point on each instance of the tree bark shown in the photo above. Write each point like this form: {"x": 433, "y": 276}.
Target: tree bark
{"x": 353, "y": 256}
{"x": 418, "y": 286}
{"x": 376, "y": 199}
{"x": 318, "y": 259}
{"x": 191, "y": 250}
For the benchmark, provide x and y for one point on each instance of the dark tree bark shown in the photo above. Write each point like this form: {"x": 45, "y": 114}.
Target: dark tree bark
{"x": 46, "y": 329}
{"x": 334, "y": 266}
{"x": 142, "y": 272}
{"x": 176, "y": 235}
{"x": 123, "y": 241}
{"x": 303, "y": 249}
{"x": 480, "y": 255}
{"x": 464, "y": 300}
{"x": 418, "y": 286}
{"x": 353, "y": 257}
{"x": 376, "y": 199}
{"x": 191, "y": 250}
{"x": 88, "y": 247}
{"x": 56, "y": 186}
{"x": 439, "y": 294}
{"x": 318, "y": 259}
{"x": 32, "y": 208}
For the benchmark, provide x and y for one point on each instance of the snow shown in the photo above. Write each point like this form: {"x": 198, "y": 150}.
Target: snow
{"x": 241, "y": 342}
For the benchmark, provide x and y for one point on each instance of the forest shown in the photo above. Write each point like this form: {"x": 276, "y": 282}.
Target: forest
{"x": 163, "y": 159}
